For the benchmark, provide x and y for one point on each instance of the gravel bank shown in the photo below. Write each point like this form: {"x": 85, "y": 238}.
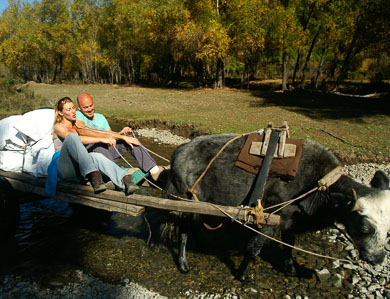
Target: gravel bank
{"x": 366, "y": 281}
{"x": 162, "y": 136}
{"x": 85, "y": 287}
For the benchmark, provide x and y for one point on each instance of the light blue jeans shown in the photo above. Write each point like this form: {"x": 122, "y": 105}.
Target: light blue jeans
{"x": 75, "y": 160}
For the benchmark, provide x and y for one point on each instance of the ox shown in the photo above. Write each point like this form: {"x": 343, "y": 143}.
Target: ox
{"x": 363, "y": 210}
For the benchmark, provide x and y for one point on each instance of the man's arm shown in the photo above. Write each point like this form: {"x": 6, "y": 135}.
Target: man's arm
{"x": 83, "y": 130}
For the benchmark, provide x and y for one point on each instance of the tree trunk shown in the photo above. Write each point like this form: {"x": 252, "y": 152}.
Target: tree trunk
{"x": 219, "y": 75}
{"x": 308, "y": 59}
{"x": 319, "y": 70}
{"x": 347, "y": 60}
{"x": 55, "y": 73}
{"x": 61, "y": 69}
{"x": 284, "y": 71}
{"x": 296, "y": 67}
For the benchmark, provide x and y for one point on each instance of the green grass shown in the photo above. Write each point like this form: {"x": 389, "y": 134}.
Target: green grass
{"x": 18, "y": 100}
{"x": 364, "y": 122}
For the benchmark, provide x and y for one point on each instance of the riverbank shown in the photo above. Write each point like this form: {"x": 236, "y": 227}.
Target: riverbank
{"x": 354, "y": 127}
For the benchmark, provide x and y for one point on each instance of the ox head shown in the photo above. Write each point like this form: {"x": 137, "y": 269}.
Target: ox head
{"x": 369, "y": 220}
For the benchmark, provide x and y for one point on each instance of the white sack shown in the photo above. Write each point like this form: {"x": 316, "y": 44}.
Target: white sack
{"x": 26, "y": 142}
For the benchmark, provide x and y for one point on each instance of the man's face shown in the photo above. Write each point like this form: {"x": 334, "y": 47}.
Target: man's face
{"x": 87, "y": 107}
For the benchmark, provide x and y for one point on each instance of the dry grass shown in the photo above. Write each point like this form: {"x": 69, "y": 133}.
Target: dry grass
{"x": 364, "y": 122}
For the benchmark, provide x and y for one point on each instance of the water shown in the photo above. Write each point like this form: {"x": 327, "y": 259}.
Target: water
{"x": 52, "y": 243}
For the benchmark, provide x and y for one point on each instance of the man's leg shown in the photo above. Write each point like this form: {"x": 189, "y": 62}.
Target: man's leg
{"x": 145, "y": 161}
{"x": 101, "y": 148}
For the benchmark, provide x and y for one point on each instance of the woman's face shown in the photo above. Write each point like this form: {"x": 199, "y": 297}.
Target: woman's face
{"x": 68, "y": 112}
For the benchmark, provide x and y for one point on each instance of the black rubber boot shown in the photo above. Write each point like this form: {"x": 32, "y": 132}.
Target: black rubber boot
{"x": 97, "y": 182}
{"x": 130, "y": 187}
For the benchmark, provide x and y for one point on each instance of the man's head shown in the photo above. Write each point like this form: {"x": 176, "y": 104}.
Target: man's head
{"x": 86, "y": 106}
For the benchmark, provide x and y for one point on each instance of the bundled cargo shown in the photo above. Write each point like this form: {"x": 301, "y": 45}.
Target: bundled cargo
{"x": 26, "y": 142}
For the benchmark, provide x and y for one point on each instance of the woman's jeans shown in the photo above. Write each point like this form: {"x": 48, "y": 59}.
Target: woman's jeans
{"x": 75, "y": 160}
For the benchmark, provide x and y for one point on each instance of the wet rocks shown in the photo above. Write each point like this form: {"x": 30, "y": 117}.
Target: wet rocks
{"x": 85, "y": 287}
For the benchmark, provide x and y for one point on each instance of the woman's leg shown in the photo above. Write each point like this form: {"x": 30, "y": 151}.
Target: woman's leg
{"x": 109, "y": 168}
{"x": 74, "y": 158}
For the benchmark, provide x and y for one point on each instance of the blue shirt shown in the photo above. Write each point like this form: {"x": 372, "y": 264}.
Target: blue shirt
{"x": 99, "y": 123}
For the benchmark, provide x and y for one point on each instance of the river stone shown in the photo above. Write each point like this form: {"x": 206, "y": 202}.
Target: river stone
{"x": 355, "y": 279}
{"x": 323, "y": 275}
{"x": 362, "y": 290}
{"x": 354, "y": 253}
{"x": 373, "y": 287}
{"x": 335, "y": 264}
{"x": 336, "y": 280}
{"x": 378, "y": 295}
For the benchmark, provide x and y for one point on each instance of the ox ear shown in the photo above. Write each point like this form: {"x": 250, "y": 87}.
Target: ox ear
{"x": 380, "y": 180}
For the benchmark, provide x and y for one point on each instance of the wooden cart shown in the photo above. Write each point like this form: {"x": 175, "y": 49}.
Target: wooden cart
{"x": 110, "y": 200}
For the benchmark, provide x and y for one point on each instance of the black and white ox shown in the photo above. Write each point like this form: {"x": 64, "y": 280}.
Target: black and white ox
{"x": 366, "y": 218}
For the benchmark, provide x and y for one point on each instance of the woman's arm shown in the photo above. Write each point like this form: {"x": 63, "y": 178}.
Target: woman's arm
{"x": 90, "y": 139}
{"x": 61, "y": 131}
{"x": 83, "y": 130}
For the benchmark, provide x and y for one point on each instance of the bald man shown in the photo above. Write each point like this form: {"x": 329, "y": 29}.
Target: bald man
{"x": 97, "y": 121}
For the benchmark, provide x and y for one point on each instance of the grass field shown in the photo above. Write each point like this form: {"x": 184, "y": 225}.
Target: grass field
{"x": 363, "y": 123}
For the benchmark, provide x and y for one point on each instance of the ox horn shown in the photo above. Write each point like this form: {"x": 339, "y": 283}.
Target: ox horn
{"x": 356, "y": 207}
{"x": 354, "y": 194}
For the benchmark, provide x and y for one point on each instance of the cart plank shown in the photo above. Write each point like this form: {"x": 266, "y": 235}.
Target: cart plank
{"x": 129, "y": 204}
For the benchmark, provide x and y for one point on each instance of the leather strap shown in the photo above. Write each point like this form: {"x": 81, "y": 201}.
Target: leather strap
{"x": 265, "y": 166}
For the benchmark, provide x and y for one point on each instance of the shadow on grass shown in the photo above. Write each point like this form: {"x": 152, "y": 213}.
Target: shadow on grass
{"x": 321, "y": 106}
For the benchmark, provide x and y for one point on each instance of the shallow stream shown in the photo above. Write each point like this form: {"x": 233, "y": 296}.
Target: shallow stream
{"x": 52, "y": 243}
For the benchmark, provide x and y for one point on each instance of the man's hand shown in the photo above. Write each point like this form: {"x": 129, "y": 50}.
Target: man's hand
{"x": 109, "y": 140}
{"x": 125, "y": 131}
{"x": 131, "y": 140}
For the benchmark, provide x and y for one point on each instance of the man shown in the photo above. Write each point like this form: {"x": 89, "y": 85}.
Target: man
{"x": 98, "y": 122}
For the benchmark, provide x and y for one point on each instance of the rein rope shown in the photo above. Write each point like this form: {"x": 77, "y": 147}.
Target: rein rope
{"x": 324, "y": 183}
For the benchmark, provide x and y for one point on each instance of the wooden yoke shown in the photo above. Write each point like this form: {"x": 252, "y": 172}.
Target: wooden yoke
{"x": 283, "y": 150}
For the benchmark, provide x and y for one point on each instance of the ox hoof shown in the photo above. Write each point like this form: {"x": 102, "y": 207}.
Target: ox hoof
{"x": 290, "y": 271}
{"x": 183, "y": 267}
{"x": 242, "y": 277}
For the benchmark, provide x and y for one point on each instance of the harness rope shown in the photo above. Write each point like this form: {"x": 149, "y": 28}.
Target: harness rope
{"x": 234, "y": 219}
{"x": 192, "y": 189}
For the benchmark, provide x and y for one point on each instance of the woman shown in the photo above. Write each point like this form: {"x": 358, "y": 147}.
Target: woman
{"x": 74, "y": 160}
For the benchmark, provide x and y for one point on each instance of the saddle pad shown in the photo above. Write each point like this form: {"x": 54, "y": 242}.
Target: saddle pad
{"x": 286, "y": 167}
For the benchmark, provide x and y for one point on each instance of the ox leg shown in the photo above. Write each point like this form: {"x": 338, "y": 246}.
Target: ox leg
{"x": 288, "y": 262}
{"x": 253, "y": 249}
{"x": 183, "y": 263}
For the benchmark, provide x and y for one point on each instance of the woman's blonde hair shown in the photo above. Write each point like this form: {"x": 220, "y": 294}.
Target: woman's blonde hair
{"x": 59, "y": 106}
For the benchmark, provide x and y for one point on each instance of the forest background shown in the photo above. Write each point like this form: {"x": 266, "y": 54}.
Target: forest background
{"x": 207, "y": 43}
{"x": 330, "y": 57}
